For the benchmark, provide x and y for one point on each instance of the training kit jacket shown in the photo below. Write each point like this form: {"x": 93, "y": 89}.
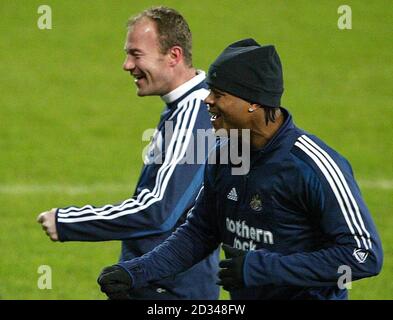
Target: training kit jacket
{"x": 298, "y": 212}
{"x": 166, "y": 191}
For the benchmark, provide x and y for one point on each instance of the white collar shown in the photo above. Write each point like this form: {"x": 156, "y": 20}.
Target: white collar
{"x": 185, "y": 87}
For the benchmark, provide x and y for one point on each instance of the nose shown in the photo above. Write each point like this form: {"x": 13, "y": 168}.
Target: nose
{"x": 209, "y": 99}
{"x": 129, "y": 63}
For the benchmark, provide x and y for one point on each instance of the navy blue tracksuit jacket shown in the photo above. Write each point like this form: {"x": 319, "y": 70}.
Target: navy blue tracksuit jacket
{"x": 166, "y": 191}
{"x": 298, "y": 212}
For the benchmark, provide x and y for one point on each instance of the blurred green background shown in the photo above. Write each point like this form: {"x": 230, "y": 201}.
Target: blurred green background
{"x": 71, "y": 124}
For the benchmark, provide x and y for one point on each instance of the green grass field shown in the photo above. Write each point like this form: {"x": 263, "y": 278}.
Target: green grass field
{"x": 71, "y": 124}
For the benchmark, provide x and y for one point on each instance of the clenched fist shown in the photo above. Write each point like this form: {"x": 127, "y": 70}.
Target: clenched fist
{"x": 47, "y": 220}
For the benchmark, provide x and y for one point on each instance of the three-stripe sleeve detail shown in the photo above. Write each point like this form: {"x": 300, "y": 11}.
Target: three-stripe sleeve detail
{"x": 340, "y": 188}
{"x": 182, "y": 133}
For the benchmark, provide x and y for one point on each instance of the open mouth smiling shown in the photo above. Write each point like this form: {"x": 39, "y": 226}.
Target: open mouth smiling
{"x": 138, "y": 77}
{"x": 214, "y": 114}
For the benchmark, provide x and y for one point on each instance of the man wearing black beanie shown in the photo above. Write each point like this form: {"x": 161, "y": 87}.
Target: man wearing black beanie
{"x": 252, "y": 76}
{"x": 292, "y": 224}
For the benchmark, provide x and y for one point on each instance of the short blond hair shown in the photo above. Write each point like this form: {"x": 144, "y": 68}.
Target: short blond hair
{"x": 172, "y": 28}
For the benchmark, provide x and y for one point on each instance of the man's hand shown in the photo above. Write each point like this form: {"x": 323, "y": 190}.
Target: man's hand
{"x": 231, "y": 273}
{"x": 47, "y": 220}
{"x": 115, "y": 282}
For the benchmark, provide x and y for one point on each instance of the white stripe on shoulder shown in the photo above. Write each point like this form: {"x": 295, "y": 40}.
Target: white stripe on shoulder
{"x": 346, "y": 187}
{"x": 125, "y": 212}
{"x": 145, "y": 193}
{"x": 200, "y": 94}
{"x": 162, "y": 178}
{"x": 335, "y": 185}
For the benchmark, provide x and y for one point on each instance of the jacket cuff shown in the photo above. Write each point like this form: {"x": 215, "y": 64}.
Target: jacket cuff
{"x": 59, "y": 230}
{"x": 254, "y": 272}
{"x": 134, "y": 268}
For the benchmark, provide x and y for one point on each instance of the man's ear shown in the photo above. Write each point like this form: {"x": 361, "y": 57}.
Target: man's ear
{"x": 176, "y": 55}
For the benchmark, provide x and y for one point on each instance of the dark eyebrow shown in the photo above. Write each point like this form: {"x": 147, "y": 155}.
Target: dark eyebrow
{"x": 217, "y": 91}
{"x": 132, "y": 51}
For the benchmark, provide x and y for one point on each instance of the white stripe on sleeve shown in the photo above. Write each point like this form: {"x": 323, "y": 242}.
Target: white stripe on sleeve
{"x": 162, "y": 178}
{"x": 332, "y": 182}
{"x": 346, "y": 187}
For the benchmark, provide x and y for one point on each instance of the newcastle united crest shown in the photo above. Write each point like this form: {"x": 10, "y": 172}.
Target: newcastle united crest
{"x": 256, "y": 203}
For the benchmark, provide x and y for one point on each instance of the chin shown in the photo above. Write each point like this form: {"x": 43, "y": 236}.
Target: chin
{"x": 142, "y": 93}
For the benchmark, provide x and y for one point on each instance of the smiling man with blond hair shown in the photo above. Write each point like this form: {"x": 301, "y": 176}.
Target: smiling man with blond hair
{"x": 159, "y": 59}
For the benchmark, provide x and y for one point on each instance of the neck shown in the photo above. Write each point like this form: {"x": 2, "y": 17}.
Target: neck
{"x": 261, "y": 134}
{"x": 182, "y": 77}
